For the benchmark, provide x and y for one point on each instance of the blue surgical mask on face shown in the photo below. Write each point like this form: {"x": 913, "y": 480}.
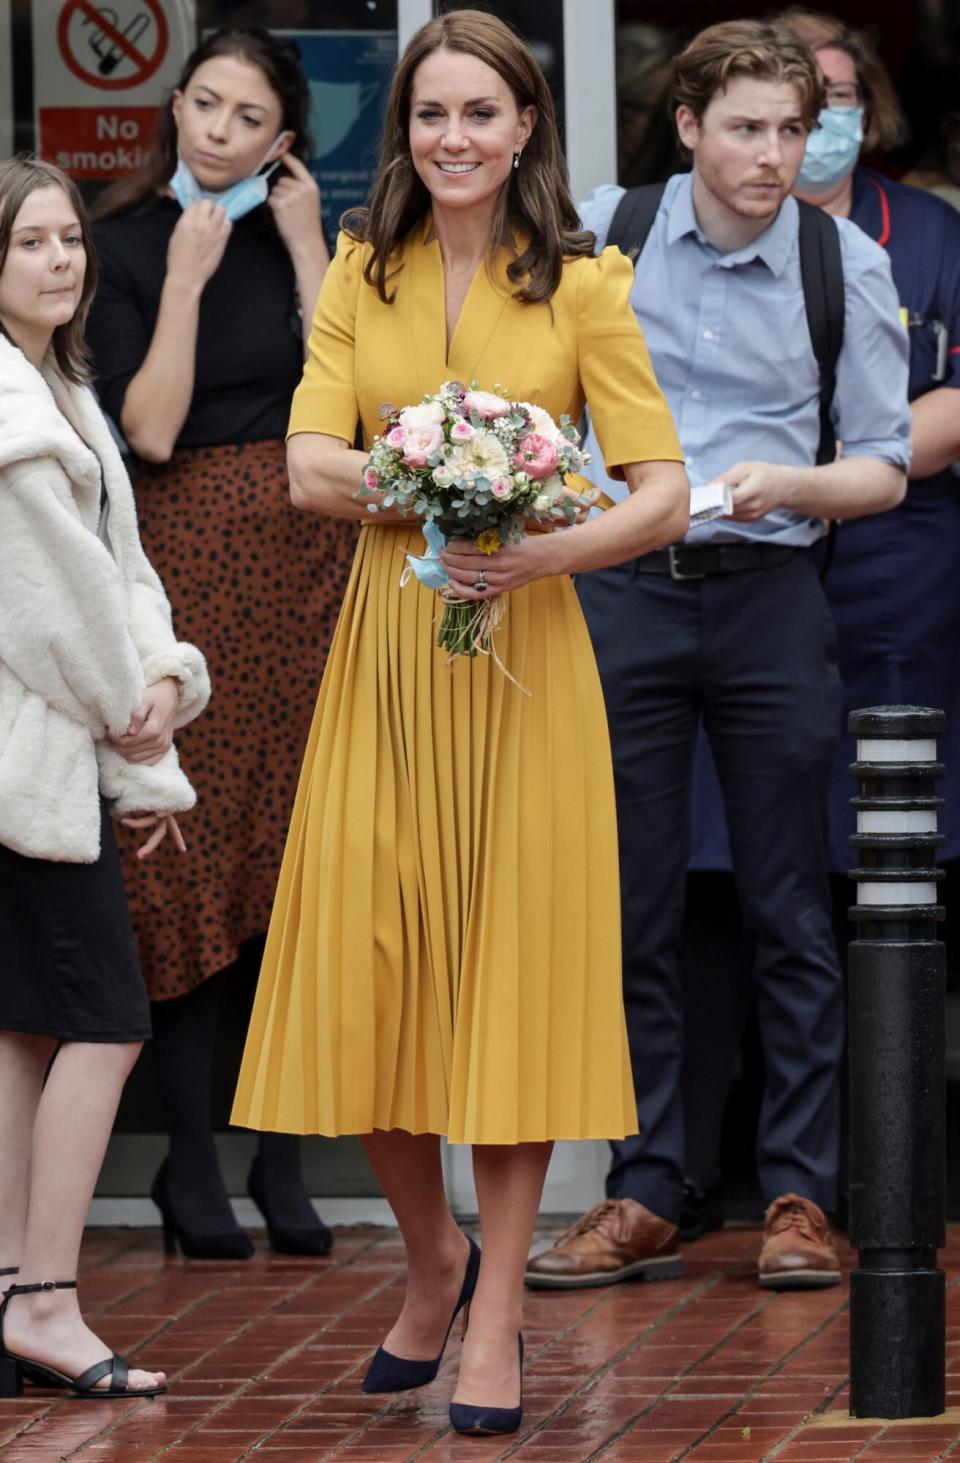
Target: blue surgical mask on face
{"x": 832, "y": 148}
{"x": 240, "y": 198}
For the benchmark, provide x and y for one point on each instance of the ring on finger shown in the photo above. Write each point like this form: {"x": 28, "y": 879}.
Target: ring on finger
{"x": 481, "y": 582}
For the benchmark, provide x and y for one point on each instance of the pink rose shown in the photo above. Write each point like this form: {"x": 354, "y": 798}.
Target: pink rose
{"x": 501, "y": 487}
{"x": 421, "y": 444}
{"x": 461, "y": 431}
{"x": 485, "y": 404}
{"x": 371, "y": 479}
{"x": 536, "y": 455}
{"x": 396, "y": 436}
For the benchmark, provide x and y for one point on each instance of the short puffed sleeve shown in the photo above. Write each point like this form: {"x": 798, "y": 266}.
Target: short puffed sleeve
{"x": 627, "y": 408}
{"x": 326, "y": 399}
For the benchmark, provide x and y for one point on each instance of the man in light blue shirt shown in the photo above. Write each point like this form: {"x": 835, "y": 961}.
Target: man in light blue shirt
{"x": 731, "y": 629}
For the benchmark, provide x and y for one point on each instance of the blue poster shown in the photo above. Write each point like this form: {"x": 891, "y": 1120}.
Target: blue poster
{"x": 349, "y": 74}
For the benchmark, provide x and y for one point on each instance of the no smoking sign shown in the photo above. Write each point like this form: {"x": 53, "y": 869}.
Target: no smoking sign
{"x": 113, "y": 47}
{"x": 101, "y": 72}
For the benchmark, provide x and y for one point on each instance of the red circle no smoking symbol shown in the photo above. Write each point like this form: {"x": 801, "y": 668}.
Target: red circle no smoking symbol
{"x": 113, "y": 47}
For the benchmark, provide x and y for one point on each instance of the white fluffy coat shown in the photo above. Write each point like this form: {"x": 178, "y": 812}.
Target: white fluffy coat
{"x": 83, "y": 631}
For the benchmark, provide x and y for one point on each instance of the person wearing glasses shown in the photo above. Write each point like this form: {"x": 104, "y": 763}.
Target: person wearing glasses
{"x": 893, "y": 586}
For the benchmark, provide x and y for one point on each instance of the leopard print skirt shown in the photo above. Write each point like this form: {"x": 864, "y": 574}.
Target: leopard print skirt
{"x": 257, "y": 586}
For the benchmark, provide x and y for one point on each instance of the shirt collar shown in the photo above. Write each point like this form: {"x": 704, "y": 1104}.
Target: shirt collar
{"x": 772, "y": 247}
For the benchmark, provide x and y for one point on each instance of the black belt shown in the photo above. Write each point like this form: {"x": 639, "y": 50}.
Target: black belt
{"x": 695, "y": 561}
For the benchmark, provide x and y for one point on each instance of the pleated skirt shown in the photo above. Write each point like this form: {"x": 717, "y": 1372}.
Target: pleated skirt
{"x": 444, "y": 950}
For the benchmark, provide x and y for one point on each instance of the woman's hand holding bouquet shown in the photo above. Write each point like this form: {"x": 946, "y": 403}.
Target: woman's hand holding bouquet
{"x": 481, "y": 471}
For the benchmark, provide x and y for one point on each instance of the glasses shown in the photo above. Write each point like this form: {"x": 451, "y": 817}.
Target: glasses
{"x": 843, "y": 94}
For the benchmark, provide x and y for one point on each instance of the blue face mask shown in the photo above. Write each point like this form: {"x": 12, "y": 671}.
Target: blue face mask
{"x": 239, "y": 199}
{"x": 832, "y": 148}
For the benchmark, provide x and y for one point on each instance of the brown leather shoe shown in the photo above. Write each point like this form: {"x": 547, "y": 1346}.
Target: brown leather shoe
{"x": 616, "y": 1240}
{"x": 797, "y": 1252}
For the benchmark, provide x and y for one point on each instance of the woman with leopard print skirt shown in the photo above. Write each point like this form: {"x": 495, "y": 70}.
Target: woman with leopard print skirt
{"x": 208, "y": 280}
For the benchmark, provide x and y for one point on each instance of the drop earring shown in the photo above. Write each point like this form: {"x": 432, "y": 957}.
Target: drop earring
{"x": 516, "y": 160}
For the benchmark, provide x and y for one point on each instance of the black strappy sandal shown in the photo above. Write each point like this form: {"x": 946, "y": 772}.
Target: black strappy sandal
{"x": 14, "y": 1368}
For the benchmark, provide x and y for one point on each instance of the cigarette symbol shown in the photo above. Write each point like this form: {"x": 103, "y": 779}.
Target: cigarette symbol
{"x": 107, "y": 52}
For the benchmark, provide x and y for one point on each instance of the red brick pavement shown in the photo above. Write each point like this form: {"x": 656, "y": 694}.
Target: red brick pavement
{"x": 266, "y": 1358}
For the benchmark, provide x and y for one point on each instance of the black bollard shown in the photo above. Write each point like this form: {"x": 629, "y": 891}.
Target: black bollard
{"x": 897, "y": 979}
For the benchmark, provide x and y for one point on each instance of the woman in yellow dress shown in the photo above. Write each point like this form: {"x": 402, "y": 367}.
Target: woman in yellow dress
{"x": 444, "y": 955}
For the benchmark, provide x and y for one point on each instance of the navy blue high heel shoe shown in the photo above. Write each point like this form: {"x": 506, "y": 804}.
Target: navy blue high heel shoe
{"x": 482, "y": 1421}
{"x": 389, "y": 1373}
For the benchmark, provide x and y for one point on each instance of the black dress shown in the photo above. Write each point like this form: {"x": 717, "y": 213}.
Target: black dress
{"x": 69, "y": 966}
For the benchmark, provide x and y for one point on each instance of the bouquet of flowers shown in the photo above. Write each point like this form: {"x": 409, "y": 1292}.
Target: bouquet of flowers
{"x": 472, "y": 464}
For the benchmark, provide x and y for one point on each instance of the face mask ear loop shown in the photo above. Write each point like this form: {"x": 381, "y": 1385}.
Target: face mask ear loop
{"x": 275, "y": 164}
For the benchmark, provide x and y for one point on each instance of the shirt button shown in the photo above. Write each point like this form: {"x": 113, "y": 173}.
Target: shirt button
{"x": 695, "y": 395}
{"x": 708, "y": 335}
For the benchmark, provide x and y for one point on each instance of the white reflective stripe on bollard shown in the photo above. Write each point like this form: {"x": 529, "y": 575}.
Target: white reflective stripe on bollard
{"x": 877, "y": 749}
{"x": 900, "y": 820}
{"x": 898, "y": 893}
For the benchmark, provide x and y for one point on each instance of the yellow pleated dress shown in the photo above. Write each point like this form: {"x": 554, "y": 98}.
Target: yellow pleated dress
{"x": 444, "y": 952}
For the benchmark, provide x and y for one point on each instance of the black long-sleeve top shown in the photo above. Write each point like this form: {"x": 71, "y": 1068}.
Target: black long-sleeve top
{"x": 249, "y": 342}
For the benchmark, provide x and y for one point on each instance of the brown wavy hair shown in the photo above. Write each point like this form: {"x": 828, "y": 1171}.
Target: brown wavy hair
{"x": 20, "y": 177}
{"x": 762, "y": 49}
{"x": 535, "y": 218}
{"x": 278, "y": 59}
{"x": 883, "y": 121}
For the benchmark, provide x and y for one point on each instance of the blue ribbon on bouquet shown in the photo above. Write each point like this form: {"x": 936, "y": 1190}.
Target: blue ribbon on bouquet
{"x": 429, "y": 571}
{"x": 427, "y": 567}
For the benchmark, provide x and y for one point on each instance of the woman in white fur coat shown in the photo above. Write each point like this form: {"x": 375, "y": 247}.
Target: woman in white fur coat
{"x": 93, "y": 683}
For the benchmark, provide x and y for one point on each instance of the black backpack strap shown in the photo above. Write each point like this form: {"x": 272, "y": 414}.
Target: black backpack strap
{"x": 821, "y": 271}
{"x": 633, "y": 218}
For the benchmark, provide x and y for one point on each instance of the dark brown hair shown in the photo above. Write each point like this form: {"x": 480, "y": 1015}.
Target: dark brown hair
{"x": 757, "y": 48}
{"x": 883, "y": 121}
{"x": 535, "y": 213}
{"x": 18, "y": 179}
{"x": 279, "y": 61}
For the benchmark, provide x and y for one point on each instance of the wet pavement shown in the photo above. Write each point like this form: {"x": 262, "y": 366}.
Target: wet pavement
{"x": 266, "y": 1358}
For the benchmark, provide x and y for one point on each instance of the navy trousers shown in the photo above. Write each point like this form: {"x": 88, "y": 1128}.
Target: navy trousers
{"x": 751, "y": 655}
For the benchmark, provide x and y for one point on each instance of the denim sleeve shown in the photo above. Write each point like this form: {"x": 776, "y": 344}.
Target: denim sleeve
{"x": 870, "y": 409}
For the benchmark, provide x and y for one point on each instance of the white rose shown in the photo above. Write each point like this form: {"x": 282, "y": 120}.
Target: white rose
{"x": 483, "y": 453}
{"x": 428, "y": 414}
{"x": 541, "y": 421}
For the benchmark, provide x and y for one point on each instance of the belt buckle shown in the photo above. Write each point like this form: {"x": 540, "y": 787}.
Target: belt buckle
{"x": 672, "y": 551}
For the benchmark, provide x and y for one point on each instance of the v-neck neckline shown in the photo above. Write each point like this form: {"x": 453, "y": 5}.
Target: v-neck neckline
{"x": 448, "y": 343}
{"x": 431, "y": 241}
{"x": 480, "y": 312}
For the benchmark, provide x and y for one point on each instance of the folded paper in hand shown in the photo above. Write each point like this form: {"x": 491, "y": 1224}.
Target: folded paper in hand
{"x": 710, "y": 500}
{"x": 707, "y": 500}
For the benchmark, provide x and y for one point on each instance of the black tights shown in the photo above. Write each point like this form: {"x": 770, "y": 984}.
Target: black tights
{"x": 184, "y": 1042}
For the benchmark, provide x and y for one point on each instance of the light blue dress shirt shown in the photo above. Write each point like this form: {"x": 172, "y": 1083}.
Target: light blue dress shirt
{"x": 731, "y": 348}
